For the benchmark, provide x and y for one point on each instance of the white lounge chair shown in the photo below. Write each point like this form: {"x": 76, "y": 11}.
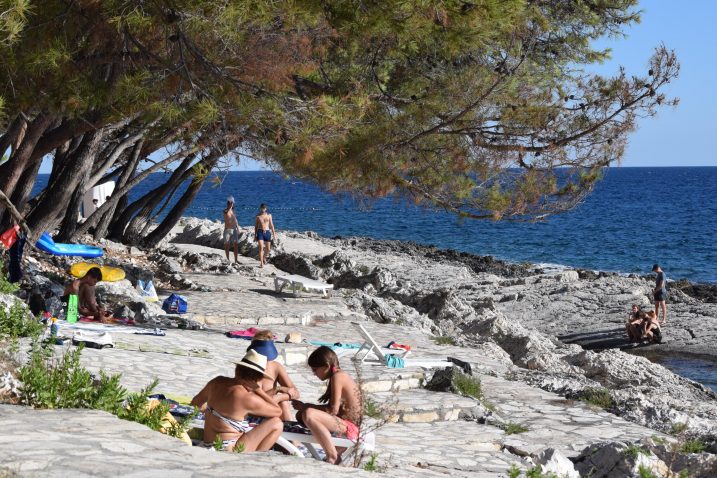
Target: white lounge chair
{"x": 299, "y": 283}
{"x": 371, "y": 347}
{"x": 365, "y": 443}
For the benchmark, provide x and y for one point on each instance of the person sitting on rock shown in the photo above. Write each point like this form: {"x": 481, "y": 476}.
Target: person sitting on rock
{"x": 651, "y": 328}
{"x": 84, "y": 289}
{"x": 634, "y": 326}
{"x": 340, "y": 409}
{"x": 278, "y": 384}
{"x": 226, "y": 402}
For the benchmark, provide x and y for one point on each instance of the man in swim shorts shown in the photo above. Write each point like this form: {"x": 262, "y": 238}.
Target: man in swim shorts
{"x": 660, "y": 293}
{"x": 264, "y": 233}
{"x": 231, "y": 229}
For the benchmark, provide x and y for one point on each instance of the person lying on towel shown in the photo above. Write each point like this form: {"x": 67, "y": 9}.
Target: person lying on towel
{"x": 226, "y": 402}
{"x": 340, "y": 412}
{"x": 84, "y": 289}
{"x": 279, "y": 386}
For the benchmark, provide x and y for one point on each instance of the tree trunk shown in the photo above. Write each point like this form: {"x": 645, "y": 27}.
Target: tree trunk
{"x": 128, "y": 172}
{"x": 176, "y": 212}
{"x": 68, "y": 226}
{"x": 58, "y": 194}
{"x": 12, "y": 169}
{"x": 97, "y": 215}
{"x": 13, "y": 135}
{"x": 150, "y": 200}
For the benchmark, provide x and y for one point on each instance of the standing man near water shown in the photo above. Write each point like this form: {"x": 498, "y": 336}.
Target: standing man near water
{"x": 231, "y": 229}
{"x": 660, "y": 293}
{"x": 264, "y": 233}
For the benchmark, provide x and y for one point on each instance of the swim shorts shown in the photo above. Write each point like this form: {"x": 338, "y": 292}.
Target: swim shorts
{"x": 352, "y": 431}
{"x": 263, "y": 235}
{"x": 231, "y": 236}
{"x": 661, "y": 295}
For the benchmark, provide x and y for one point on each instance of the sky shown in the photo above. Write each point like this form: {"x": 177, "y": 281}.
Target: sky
{"x": 680, "y": 136}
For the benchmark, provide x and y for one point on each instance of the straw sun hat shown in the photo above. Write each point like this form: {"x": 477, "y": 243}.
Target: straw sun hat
{"x": 255, "y": 361}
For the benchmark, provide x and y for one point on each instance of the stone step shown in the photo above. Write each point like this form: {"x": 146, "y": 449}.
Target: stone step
{"x": 420, "y": 406}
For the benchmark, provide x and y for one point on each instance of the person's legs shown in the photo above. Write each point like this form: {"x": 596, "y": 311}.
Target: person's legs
{"x": 267, "y": 250}
{"x": 663, "y": 306}
{"x": 261, "y": 253}
{"x": 226, "y": 249}
{"x": 321, "y": 425}
{"x": 236, "y": 251}
{"x": 263, "y": 436}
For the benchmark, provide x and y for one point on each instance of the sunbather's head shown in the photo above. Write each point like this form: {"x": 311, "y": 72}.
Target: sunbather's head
{"x": 252, "y": 367}
{"x": 263, "y": 208}
{"x": 263, "y": 342}
{"x": 324, "y": 362}
{"x": 93, "y": 276}
{"x": 635, "y": 308}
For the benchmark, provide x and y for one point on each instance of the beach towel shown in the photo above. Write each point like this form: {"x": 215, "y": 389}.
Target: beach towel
{"x": 334, "y": 345}
{"x": 15, "y": 266}
{"x": 393, "y": 345}
{"x": 392, "y": 361}
{"x": 247, "y": 334}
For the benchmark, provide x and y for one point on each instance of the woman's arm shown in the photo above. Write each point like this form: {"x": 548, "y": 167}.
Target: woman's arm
{"x": 262, "y": 405}
{"x": 287, "y": 386}
{"x": 271, "y": 225}
{"x": 200, "y": 399}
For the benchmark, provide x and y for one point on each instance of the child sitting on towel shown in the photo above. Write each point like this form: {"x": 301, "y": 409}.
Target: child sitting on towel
{"x": 279, "y": 386}
{"x": 340, "y": 411}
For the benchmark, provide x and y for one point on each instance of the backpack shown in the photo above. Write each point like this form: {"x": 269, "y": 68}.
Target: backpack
{"x": 175, "y": 304}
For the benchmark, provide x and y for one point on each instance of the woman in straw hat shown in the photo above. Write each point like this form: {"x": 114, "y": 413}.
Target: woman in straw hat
{"x": 278, "y": 384}
{"x": 229, "y": 400}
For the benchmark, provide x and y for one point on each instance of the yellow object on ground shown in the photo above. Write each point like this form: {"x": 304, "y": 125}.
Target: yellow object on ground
{"x": 168, "y": 422}
{"x": 109, "y": 274}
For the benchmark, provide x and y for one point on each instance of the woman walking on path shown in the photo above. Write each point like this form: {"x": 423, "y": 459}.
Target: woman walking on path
{"x": 264, "y": 232}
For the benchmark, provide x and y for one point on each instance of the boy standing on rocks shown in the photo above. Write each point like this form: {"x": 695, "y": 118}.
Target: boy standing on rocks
{"x": 660, "y": 293}
{"x": 231, "y": 229}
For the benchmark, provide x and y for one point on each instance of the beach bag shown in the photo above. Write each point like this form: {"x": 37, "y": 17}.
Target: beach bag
{"x": 175, "y": 304}
{"x": 147, "y": 290}
{"x": 9, "y": 237}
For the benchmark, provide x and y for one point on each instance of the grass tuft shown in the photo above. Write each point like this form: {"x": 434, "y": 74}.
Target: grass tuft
{"x": 511, "y": 428}
{"x": 633, "y": 451}
{"x": 468, "y": 386}
{"x": 678, "y": 428}
{"x": 693, "y": 446}
{"x": 444, "y": 340}
{"x": 598, "y": 396}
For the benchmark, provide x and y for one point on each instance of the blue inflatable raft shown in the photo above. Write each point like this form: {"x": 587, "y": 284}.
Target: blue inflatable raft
{"x": 45, "y": 243}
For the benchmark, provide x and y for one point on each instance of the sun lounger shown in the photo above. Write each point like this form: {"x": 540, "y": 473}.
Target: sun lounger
{"x": 394, "y": 360}
{"x": 294, "y": 433}
{"x": 299, "y": 283}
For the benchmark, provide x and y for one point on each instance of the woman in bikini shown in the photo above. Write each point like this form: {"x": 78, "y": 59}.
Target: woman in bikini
{"x": 227, "y": 401}
{"x": 340, "y": 409}
{"x": 278, "y": 385}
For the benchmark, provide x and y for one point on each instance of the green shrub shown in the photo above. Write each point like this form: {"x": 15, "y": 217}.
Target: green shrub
{"x": 371, "y": 464}
{"x": 6, "y": 287}
{"x": 17, "y": 322}
{"x": 444, "y": 340}
{"x": 513, "y": 471}
{"x": 50, "y": 382}
{"x": 597, "y": 396}
{"x": 678, "y": 428}
{"x": 511, "y": 428}
{"x": 372, "y": 409}
{"x": 64, "y": 383}
{"x": 645, "y": 472}
{"x": 633, "y": 450}
{"x": 468, "y": 386}
{"x": 535, "y": 472}
{"x": 693, "y": 446}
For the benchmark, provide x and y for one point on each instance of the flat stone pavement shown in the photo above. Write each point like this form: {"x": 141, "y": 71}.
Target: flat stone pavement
{"x": 183, "y": 361}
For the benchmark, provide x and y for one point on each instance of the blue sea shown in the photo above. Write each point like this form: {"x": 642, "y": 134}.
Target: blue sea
{"x": 634, "y": 218}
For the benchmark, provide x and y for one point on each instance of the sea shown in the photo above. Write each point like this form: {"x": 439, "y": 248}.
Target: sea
{"x": 634, "y": 218}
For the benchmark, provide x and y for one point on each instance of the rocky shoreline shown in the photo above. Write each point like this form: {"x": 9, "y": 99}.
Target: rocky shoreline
{"x": 531, "y": 321}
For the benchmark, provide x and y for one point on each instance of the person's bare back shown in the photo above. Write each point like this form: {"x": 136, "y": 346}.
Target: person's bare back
{"x": 350, "y": 407}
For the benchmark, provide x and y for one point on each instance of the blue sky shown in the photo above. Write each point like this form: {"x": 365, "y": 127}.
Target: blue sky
{"x": 680, "y": 136}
